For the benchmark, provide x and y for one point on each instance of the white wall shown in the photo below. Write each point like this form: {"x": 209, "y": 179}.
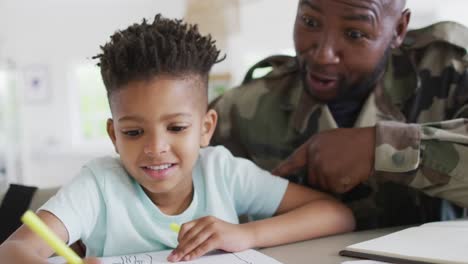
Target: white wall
{"x": 57, "y": 33}
{"x": 266, "y": 28}
{"x": 425, "y": 12}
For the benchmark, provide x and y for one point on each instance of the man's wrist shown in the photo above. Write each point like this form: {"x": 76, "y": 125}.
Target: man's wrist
{"x": 397, "y": 147}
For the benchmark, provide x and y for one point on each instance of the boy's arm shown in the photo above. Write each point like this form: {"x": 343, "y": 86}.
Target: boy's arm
{"x": 302, "y": 214}
{"x": 24, "y": 246}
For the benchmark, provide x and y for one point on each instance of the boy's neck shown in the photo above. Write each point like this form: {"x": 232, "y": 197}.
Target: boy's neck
{"x": 175, "y": 202}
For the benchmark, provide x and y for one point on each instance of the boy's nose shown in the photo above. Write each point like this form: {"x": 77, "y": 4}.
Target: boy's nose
{"x": 156, "y": 146}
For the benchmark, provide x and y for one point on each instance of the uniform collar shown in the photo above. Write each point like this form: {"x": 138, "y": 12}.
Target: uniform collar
{"x": 377, "y": 107}
{"x": 304, "y": 106}
{"x": 383, "y": 103}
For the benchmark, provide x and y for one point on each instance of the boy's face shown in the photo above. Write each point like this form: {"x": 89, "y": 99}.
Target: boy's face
{"x": 158, "y": 127}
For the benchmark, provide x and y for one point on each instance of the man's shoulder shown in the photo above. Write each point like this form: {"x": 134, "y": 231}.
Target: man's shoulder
{"x": 435, "y": 47}
{"x": 277, "y": 84}
{"x": 276, "y": 66}
{"x": 431, "y": 63}
{"x": 271, "y": 73}
{"x": 443, "y": 32}
{"x": 431, "y": 58}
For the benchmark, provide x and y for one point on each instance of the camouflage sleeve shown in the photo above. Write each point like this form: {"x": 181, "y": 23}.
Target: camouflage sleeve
{"x": 432, "y": 157}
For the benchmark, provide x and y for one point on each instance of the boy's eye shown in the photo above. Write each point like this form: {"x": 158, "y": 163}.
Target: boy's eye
{"x": 133, "y": 133}
{"x": 177, "y": 128}
{"x": 355, "y": 34}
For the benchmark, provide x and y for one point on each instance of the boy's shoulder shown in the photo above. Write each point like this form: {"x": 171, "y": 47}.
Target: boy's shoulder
{"x": 213, "y": 150}
{"x": 104, "y": 172}
{"x": 218, "y": 160}
{"x": 103, "y": 167}
{"x": 215, "y": 154}
{"x": 215, "y": 160}
{"x": 104, "y": 163}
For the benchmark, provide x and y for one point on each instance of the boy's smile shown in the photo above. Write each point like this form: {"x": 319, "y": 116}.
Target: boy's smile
{"x": 159, "y": 172}
{"x": 158, "y": 127}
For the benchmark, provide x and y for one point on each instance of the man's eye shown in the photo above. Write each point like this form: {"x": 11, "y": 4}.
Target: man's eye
{"x": 310, "y": 22}
{"x": 355, "y": 34}
{"x": 177, "y": 128}
{"x": 133, "y": 133}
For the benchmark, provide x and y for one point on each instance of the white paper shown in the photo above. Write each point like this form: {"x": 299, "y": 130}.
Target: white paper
{"x": 245, "y": 257}
{"x": 435, "y": 242}
{"x": 364, "y": 262}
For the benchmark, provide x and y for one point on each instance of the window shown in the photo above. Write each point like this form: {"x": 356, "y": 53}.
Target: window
{"x": 9, "y": 124}
{"x": 3, "y": 136}
{"x": 91, "y": 103}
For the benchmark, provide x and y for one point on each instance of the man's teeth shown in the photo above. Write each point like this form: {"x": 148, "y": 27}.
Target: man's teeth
{"x": 159, "y": 167}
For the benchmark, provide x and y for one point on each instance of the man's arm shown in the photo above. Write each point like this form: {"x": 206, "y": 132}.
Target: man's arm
{"x": 427, "y": 148}
{"x": 431, "y": 157}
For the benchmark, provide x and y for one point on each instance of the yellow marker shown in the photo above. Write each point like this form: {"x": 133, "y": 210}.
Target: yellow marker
{"x": 174, "y": 227}
{"x": 37, "y": 226}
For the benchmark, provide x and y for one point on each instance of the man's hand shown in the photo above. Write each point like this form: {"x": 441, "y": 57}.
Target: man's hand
{"x": 203, "y": 235}
{"x": 336, "y": 160}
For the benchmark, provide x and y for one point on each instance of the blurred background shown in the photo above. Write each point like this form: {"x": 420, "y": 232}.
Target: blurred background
{"x": 52, "y": 102}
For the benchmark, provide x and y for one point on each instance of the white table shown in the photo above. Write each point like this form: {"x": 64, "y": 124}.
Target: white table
{"x": 323, "y": 250}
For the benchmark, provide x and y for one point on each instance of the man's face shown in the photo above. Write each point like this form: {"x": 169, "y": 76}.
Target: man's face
{"x": 342, "y": 45}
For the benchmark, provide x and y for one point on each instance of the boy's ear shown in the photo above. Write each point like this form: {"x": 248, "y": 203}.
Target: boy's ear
{"x": 208, "y": 127}
{"x": 111, "y": 133}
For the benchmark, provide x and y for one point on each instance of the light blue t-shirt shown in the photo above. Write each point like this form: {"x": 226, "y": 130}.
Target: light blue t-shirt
{"x": 111, "y": 213}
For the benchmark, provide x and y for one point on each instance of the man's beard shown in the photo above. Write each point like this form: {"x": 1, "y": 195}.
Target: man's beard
{"x": 359, "y": 90}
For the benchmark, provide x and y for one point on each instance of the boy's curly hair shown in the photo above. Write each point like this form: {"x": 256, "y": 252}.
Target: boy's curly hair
{"x": 166, "y": 46}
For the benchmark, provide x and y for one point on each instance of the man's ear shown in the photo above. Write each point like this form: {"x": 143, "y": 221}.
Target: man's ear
{"x": 208, "y": 127}
{"x": 111, "y": 133}
{"x": 401, "y": 29}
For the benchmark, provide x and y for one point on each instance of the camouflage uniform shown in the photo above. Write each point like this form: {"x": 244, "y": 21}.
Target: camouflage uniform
{"x": 418, "y": 109}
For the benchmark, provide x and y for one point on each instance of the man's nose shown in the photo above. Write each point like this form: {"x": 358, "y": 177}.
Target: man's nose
{"x": 324, "y": 52}
{"x": 156, "y": 145}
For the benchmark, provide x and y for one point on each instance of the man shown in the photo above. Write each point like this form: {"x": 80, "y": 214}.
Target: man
{"x": 365, "y": 109}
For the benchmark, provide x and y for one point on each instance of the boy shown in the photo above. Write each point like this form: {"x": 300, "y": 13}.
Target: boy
{"x": 156, "y": 76}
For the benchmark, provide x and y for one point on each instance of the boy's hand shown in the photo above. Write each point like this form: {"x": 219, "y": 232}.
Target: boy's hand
{"x": 200, "y": 236}
{"x": 91, "y": 261}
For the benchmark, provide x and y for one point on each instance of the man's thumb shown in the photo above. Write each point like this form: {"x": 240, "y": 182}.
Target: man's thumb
{"x": 292, "y": 164}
